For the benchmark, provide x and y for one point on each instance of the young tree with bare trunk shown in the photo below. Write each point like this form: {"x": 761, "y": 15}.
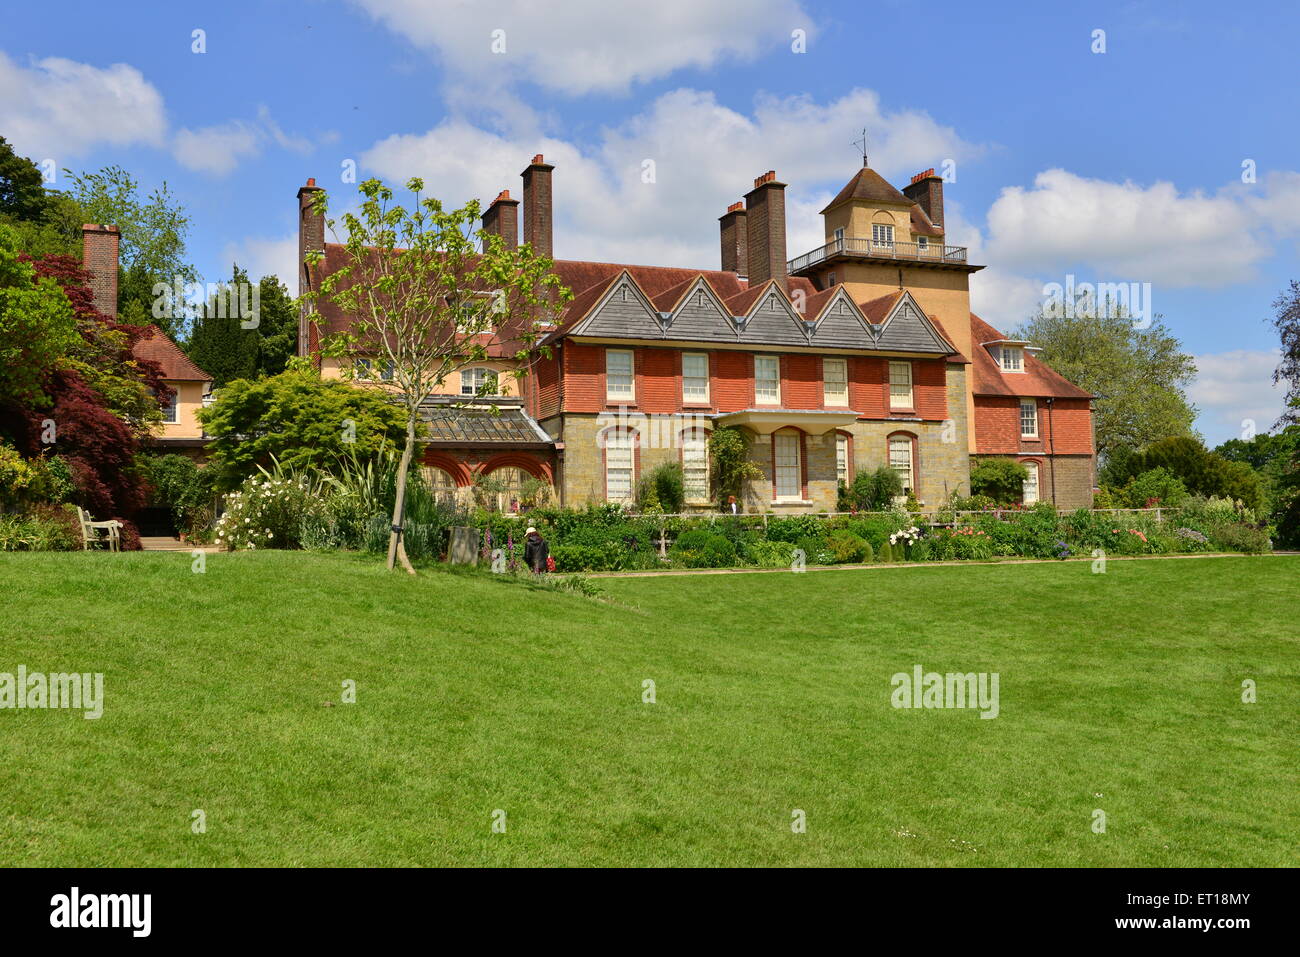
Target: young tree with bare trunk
{"x": 427, "y": 292}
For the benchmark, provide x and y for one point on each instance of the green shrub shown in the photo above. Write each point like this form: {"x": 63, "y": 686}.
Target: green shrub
{"x": 886, "y": 552}
{"x": 874, "y": 491}
{"x": 795, "y": 528}
{"x": 766, "y": 554}
{"x": 846, "y": 548}
{"x": 45, "y": 528}
{"x": 1157, "y": 486}
{"x": 1240, "y": 537}
{"x": 663, "y": 488}
{"x": 703, "y": 549}
{"x": 1000, "y": 479}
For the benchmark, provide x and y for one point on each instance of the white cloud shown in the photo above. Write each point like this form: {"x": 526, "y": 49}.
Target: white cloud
{"x": 1132, "y": 233}
{"x": 217, "y": 150}
{"x": 58, "y": 108}
{"x": 262, "y": 256}
{"x": 705, "y": 156}
{"x": 1233, "y": 389}
{"x": 581, "y": 46}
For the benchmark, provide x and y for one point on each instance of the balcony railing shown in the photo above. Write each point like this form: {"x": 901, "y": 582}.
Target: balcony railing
{"x": 871, "y": 249}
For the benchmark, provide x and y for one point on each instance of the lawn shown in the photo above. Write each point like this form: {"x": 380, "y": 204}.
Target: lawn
{"x": 1119, "y": 692}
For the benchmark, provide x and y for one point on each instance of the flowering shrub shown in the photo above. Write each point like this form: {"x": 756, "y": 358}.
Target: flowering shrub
{"x": 906, "y": 536}
{"x": 267, "y": 512}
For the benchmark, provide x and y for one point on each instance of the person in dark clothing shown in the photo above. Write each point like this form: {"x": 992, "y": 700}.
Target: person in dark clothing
{"x": 536, "y": 551}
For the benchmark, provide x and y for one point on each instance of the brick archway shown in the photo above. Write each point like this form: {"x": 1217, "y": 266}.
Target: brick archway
{"x": 459, "y": 472}
{"x": 519, "y": 460}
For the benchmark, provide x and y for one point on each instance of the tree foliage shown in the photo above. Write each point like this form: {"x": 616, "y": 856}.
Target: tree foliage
{"x": 298, "y": 419}
{"x": 729, "y": 463}
{"x": 37, "y": 325}
{"x": 1286, "y": 319}
{"x": 1200, "y": 470}
{"x": 1000, "y": 479}
{"x": 153, "y": 230}
{"x": 428, "y": 292}
{"x": 220, "y": 345}
{"x": 1140, "y": 375}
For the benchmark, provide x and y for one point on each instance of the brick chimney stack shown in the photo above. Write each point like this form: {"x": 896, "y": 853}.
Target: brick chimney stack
{"x": 502, "y": 219}
{"x": 926, "y": 190}
{"x": 99, "y": 251}
{"x": 537, "y": 206}
{"x": 735, "y": 255}
{"x": 311, "y": 231}
{"x": 765, "y": 230}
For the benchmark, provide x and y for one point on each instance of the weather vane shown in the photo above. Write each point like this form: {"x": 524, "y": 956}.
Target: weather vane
{"x": 862, "y": 142}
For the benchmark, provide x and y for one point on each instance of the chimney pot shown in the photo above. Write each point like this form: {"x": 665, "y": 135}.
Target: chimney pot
{"x": 926, "y": 190}
{"x": 502, "y": 219}
{"x": 311, "y": 180}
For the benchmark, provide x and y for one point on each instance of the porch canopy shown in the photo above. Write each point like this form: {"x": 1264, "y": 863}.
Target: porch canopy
{"x": 767, "y": 421}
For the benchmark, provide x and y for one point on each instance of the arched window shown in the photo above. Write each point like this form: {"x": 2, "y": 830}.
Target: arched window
{"x": 902, "y": 458}
{"x": 440, "y": 483}
{"x": 1029, "y": 490}
{"x": 695, "y": 464}
{"x": 505, "y": 487}
{"x": 620, "y": 464}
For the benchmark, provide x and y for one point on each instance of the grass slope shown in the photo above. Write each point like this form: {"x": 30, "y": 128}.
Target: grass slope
{"x": 1119, "y": 692}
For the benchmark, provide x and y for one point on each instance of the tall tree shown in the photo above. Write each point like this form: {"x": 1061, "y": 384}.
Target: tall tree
{"x": 153, "y": 242}
{"x": 429, "y": 293}
{"x": 225, "y": 348}
{"x": 22, "y": 187}
{"x": 1287, "y": 322}
{"x": 1140, "y": 374}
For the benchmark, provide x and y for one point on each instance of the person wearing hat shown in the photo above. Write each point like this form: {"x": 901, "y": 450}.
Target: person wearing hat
{"x": 536, "y": 551}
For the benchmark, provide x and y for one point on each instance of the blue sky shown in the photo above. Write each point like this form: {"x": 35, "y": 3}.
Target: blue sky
{"x": 1122, "y": 166}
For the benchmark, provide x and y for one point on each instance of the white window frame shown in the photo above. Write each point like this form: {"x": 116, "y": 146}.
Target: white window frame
{"x": 1030, "y": 487}
{"x": 620, "y": 392}
{"x": 172, "y": 411}
{"x": 782, "y": 473}
{"x": 908, "y": 474}
{"x": 901, "y": 395}
{"x": 1029, "y": 406}
{"x": 695, "y": 462}
{"x": 471, "y": 380}
{"x": 922, "y": 242}
{"x": 696, "y": 397}
{"x": 840, "y": 397}
{"x": 1011, "y": 359}
{"x": 882, "y": 234}
{"x": 620, "y": 457}
{"x": 843, "y": 458}
{"x": 838, "y": 236}
{"x": 767, "y": 396}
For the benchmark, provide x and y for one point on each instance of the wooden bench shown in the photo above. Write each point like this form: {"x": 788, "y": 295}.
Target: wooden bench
{"x": 99, "y": 533}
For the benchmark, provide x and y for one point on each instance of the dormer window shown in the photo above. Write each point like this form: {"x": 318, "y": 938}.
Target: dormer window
{"x": 1012, "y": 359}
